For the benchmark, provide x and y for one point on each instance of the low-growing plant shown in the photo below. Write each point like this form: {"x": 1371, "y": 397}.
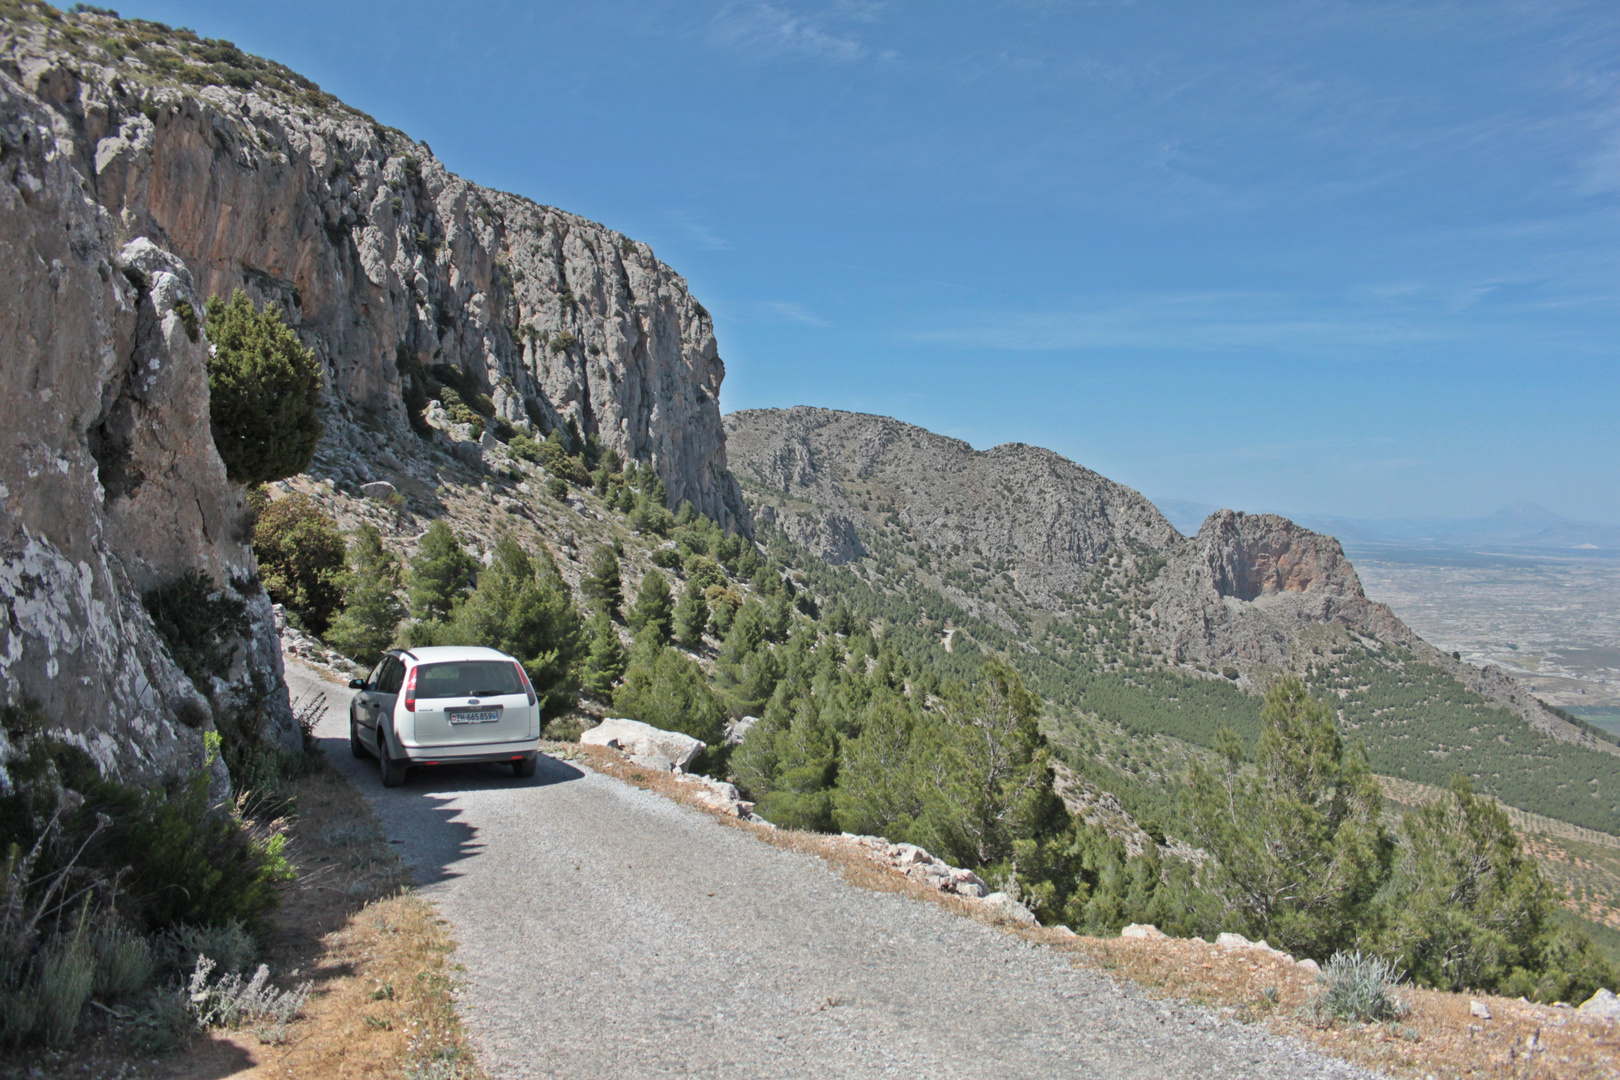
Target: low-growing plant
{"x": 1358, "y": 987}
{"x": 232, "y": 1001}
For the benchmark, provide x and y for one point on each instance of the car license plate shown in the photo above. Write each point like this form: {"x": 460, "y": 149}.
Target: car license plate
{"x": 473, "y": 716}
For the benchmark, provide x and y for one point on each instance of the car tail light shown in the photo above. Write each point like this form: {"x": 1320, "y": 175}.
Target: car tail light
{"x": 528, "y": 687}
{"x": 410, "y": 691}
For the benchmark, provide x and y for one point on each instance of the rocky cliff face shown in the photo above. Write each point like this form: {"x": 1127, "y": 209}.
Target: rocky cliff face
{"x": 109, "y": 482}
{"x": 1245, "y": 588}
{"x": 145, "y": 170}
{"x": 830, "y": 476}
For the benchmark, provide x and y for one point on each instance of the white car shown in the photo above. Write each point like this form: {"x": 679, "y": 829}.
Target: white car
{"x": 445, "y": 705}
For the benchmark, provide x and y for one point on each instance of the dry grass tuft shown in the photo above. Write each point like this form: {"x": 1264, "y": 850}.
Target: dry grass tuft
{"x": 1438, "y": 1038}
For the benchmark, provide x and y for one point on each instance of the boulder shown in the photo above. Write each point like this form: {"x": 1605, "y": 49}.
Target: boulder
{"x": 635, "y": 738}
{"x": 1144, "y": 932}
{"x": 1003, "y": 908}
{"x": 380, "y": 490}
{"x": 1233, "y": 941}
{"x": 1602, "y": 1003}
{"x": 1479, "y": 1009}
{"x": 720, "y": 795}
{"x": 468, "y": 453}
{"x": 737, "y": 730}
{"x": 1310, "y": 966}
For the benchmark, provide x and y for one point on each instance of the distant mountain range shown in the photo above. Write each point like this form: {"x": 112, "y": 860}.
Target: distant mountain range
{"x": 1521, "y": 528}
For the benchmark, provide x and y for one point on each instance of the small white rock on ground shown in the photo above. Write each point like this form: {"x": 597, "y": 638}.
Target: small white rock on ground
{"x": 609, "y": 932}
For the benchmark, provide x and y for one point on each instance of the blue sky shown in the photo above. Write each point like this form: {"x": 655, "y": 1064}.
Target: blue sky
{"x": 1323, "y": 257}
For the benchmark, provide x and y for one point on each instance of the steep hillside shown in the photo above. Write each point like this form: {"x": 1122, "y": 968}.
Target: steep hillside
{"x": 1124, "y": 623}
{"x": 144, "y": 170}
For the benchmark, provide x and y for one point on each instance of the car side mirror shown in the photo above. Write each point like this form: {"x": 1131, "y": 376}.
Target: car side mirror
{"x": 357, "y": 684}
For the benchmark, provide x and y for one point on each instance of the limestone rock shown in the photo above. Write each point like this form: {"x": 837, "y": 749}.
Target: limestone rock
{"x": 737, "y": 730}
{"x": 1144, "y": 932}
{"x": 720, "y": 796}
{"x": 382, "y": 259}
{"x": 110, "y": 485}
{"x": 1003, "y": 908}
{"x": 1478, "y": 1009}
{"x": 1602, "y": 1003}
{"x": 918, "y": 865}
{"x": 1309, "y": 966}
{"x": 381, "y": 490}
{"x": 635, "y": 738}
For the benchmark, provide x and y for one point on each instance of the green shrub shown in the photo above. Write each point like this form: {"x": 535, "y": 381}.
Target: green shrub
{"x": 228, "y": 944}
{"x": 564, "y": 340}
{"x": 124, "y": 961}
{"x": 557, "y": 488}
{"x": 524, "y": 447}
{"x": 264, "y": 391}
{"x": 201, "y": 624}
{"x": 301, "y": 558}
{"x": 1358, "y": 988}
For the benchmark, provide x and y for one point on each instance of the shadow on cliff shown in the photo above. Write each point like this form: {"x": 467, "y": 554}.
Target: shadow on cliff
{"x": 435, "y": 837}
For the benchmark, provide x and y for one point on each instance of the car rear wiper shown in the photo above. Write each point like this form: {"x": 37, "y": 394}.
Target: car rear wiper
{"x": 486, "y": 693}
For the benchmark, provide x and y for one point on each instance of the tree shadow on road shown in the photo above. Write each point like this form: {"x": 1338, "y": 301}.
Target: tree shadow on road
{"x": 433, "y": 836}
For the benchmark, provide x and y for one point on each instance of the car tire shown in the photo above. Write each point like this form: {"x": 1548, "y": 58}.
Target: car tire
{"x": 524, "y": 767}
{"x": 356, "y": 747}
{"x": 393, "y": 770}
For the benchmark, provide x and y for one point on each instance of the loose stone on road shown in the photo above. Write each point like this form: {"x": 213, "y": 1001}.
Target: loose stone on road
{"x": 608, "y": 932}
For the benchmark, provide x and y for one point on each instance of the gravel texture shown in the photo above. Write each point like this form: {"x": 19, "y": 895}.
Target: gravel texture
{"x": 608, "y": 932}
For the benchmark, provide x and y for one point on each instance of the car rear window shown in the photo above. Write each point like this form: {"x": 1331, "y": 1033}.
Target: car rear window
{"x": 468, "y": 678}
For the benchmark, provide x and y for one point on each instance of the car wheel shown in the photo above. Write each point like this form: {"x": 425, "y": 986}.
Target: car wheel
{"x": 393, "y": 770}
{"x": 356, "y": 747}
{"x": 524, "y": 767}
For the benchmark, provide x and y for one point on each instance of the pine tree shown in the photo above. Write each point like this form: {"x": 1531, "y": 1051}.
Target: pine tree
{"x": 441, "y": 574}
{"x": 1297, "y": 837}
{"x": 654, "y": 605}
{"x": 984, "y": 769}
{"x": 605, "y": 663}
{"x": 371, "y": 606}
{"x": 602, "y": 584}
{"x": 1468, "y": 909}
{"x": 667, "y": 690}
{"x": 691, "y": 616}
{"x": 523, "y": 607}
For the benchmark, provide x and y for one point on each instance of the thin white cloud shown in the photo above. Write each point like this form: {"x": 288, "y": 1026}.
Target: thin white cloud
{"x": 785, "y": 311}
{"x": 1214, "y": 322}
{"x": 695, "y": 230}
{"x": 764, "y": 30}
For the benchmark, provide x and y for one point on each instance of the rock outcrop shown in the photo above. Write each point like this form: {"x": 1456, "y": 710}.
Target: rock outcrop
{"x": 1038, "y": 517}
{"x": 110, "y": 485}
{"x": 145, "y": 170}
{"x": 1248, "y": 585}
{"x": 385, "y": 262}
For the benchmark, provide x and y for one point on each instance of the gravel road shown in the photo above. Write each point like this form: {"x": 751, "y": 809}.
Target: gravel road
{"x": 607, "y": 932}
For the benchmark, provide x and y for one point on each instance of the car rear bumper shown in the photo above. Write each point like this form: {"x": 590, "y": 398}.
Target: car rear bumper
{"x": 465, "y": 755}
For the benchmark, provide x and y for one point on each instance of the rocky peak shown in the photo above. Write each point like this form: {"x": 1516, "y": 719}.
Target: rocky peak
{"x": 1253, "y": 555}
